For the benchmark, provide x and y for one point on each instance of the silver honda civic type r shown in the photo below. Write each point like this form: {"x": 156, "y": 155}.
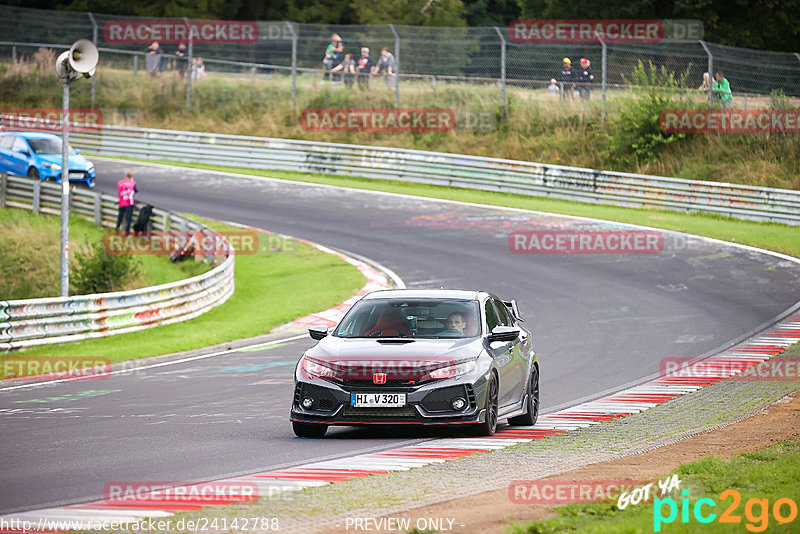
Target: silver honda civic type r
{"x": 419, "y": 357}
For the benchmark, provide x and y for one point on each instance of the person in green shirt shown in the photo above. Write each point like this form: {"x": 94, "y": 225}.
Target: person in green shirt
{"x": 722, "y": 90}
{"x": 332, "y": 54}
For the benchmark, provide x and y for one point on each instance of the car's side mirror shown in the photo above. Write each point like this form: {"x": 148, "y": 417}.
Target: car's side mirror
{"x": 77, "y": 151}
{"x": 503, "y": 333}
{"x": 318, "y": 332}
{"x": 24, "y": 151}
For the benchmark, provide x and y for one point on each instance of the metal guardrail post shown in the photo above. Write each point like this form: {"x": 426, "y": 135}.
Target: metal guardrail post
{"x": 135, "y": 64}
{"x": 37, "y": 195}
{"x": 502, "y": 69}
{"x": 710, "y": 75}
{"x": 94, "y": 40}
{"x": 396, "y": 66}
{"x": 167, "y": 222}
{"x": 14, "y": 54}
{"x": 604, "y": 70}
{"x": 294, "y": 63}
{"x": 98, "y": 210}
{"x": 3, "y": 185}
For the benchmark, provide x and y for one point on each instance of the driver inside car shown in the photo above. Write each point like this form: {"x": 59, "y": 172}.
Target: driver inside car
{"x": 455, "y": 321}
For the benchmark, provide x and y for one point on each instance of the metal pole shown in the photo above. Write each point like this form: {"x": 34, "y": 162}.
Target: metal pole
{"x": 14, "y": 54}
{"x": 396, "y": 66}
{"x": 710, "y": 75}
{"x": 65, "y": 190}
{"x": 603, "y": 71}
{"x": 136, "y": 64}
{"x": 294, "y": 63}
{"x": 502, "y": 69}
{"x": 94, "y": 40}
{"x": 189, "y": 71}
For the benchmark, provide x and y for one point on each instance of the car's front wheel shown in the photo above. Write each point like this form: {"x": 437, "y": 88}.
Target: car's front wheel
{"x": 33, "y": 172}
{"x": 309, "y": 430}
{"x": 532, "y": 415}
{"x": 489, "y": 426}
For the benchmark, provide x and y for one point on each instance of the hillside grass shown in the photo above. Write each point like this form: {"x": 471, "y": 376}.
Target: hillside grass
{"x": 273, "y": 286}
{"x": 30, "y": 258}
{"x": 535, "y": 127}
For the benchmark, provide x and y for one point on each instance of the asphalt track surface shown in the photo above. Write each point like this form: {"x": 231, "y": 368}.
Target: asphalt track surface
{"x": 600, "y": 322}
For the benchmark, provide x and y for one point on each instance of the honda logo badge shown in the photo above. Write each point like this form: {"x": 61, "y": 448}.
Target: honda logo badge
{"x": 379, "y": 378}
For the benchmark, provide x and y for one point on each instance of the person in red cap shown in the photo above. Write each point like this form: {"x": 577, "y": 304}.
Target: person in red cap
{"x": 585, "y": 78}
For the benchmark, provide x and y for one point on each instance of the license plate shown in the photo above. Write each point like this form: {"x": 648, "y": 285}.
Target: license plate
{"x": 377, "y": 400}
{"x": 75, "y": 174}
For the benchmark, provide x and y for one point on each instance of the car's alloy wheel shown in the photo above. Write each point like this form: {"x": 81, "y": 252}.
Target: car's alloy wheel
{"x": 33, "y": 172}
{"x": 489, "y": 426}
{"x": 532, "y": 415}
{"x": 309, "y": 430}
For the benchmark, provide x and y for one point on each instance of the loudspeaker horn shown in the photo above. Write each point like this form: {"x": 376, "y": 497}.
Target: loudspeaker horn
{"x": 83, "y": 57}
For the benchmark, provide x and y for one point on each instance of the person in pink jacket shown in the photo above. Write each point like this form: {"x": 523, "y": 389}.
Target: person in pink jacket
{"x": 126, "y": 188}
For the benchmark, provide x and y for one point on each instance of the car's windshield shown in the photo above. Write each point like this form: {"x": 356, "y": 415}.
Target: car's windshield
{"x": 48, "y": 146}
{"x": 412, "y": 318}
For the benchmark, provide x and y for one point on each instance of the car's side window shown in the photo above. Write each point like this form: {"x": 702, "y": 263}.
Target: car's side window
{"x": 491, "y": 315}
{"x": 502, "y": 312}
{"x": 20, "y": 145}
{"x": 7, "y": 141}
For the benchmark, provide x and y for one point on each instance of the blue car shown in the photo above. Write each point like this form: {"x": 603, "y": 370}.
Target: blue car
{"x": 38, "y": 155}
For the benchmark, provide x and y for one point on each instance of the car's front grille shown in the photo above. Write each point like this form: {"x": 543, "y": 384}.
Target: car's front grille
{"x": 380, "y": 414}
{"x": 369, "y": 384}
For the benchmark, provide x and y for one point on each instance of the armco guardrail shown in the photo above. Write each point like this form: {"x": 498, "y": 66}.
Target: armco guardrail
{"x": 471, "y": 172}
{"x": 25, "y": 323}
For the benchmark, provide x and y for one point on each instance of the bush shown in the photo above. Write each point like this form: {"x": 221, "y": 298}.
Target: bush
{"x": 97, "y": 271}
{"x": 637, "y": 136}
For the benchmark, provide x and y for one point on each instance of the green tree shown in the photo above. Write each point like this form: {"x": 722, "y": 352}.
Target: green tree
{"x": 410, "y": 12}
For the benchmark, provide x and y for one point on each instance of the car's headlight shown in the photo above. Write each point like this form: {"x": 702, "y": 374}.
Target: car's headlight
{"x": 451, "y": 371}
{"x": 90, "y": 166}
{"x": 54, "y": 166}
{"x": 315, "y": 369}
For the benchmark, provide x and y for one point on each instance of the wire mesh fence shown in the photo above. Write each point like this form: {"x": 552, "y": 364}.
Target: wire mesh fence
{"x": 424, "y": 59}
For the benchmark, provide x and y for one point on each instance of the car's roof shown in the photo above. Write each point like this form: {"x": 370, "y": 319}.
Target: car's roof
{"x": 460, "y": 294}
{"x": 32, "y": 135}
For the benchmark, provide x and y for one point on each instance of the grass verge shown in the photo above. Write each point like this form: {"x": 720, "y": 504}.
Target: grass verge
{"x": 771, "y": 236}
{"x": 272, "y": 288}
{"x": 760, "y": 478}
{"x": 30, "y": 258}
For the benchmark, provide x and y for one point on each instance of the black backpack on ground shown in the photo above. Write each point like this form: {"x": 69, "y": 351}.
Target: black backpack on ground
{"x": 142, "y": 224}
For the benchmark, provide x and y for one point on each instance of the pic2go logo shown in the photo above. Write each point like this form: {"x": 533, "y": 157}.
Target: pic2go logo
{"x": 756, "y": 511}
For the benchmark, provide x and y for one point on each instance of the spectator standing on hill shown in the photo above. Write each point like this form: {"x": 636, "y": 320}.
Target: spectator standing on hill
{"x": 332, "y": 54}
{"x": 585, "y": 77}
{"x": 553, "y": 87}
{"x": 154, "y": 61}
{"x": 126, "y": 189}
{"x": 348, "y": 67}
{"x": 365, "y": 64}
{"x": 389, "y": 65}
{"x": 183, "y": 60}
{"x": 567, "y": 78}
{"x": 722, "y": 90}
